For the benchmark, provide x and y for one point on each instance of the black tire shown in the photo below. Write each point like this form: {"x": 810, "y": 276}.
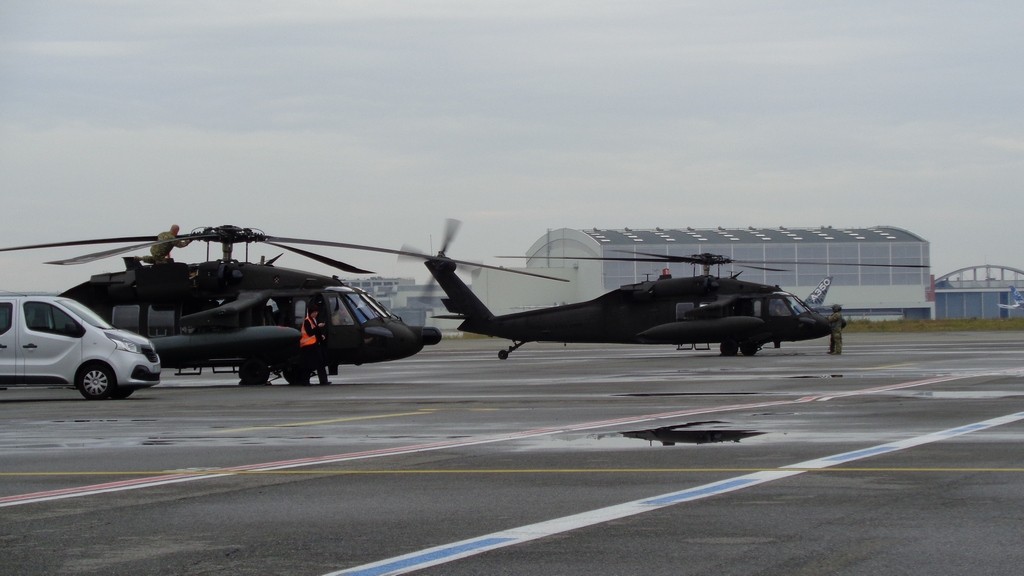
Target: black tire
{"x": 295, "y": 376}
{"x": 96, "y": 382}
{"x": 749, "y": 348}
{"x": 253, "y": 372}
{"x": 729, "y": 348}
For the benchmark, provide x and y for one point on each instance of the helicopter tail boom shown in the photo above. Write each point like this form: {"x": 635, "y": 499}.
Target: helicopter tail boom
{"x": 461, "y": 301}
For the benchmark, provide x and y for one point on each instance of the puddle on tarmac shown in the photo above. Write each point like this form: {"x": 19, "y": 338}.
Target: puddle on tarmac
{"x": 708, "y": 432}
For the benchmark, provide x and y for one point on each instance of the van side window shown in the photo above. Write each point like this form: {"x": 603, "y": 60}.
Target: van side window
{"x": 6, "y": 312}
{"x": 42, "y": 317}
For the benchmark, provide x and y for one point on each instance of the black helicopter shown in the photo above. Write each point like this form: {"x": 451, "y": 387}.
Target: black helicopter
{"x": 704, "y": 309}
{"x": 237, "y": 315}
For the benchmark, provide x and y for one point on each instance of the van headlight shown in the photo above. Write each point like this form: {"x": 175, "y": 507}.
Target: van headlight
{"x": 125, "y": 344}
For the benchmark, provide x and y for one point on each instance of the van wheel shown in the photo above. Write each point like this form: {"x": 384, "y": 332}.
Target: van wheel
{"x": 96, "y": 382}
{"x": 253, "y": 372}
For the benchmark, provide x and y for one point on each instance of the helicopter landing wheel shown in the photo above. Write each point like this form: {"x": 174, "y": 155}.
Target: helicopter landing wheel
{"x": 729, "y": 348}
{"x": 749, "y": 348}
{"x": 253, "y": 372}
{"x": 503, "y": 354}
{"x": 294, "y": 375}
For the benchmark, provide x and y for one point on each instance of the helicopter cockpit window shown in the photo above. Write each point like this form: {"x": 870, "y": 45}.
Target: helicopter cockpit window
{"x": 340, "y": 315}
{"x": 797, "y": 306}
{"x": 161, "y": 321}
{"x": 682, "y": 308}
{"x": 778, "y": 307}
{"x": 363, "y": 308}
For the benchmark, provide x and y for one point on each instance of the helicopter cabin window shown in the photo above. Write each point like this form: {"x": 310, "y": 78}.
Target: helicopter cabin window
{"x": 340, "y": 315}
{"x": 682, "y": 308}
{"x": 161, "y": 321}
{"x": 126, "y": 317}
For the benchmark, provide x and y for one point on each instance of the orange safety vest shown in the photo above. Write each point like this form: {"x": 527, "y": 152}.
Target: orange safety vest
{"x": 307, "y": 339}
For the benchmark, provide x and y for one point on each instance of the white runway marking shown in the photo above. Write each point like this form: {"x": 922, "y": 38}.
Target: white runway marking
{"x": 450, "y": 552}
{"x": 175, "y": 477}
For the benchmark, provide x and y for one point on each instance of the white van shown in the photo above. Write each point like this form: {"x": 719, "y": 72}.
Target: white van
{"x": 52, "y": 341}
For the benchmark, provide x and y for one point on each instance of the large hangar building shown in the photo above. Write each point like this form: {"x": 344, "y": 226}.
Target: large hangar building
{"x": 877, "y": 291}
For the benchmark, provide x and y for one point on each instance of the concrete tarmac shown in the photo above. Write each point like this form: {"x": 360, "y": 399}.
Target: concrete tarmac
{"x": 905, "y": 455}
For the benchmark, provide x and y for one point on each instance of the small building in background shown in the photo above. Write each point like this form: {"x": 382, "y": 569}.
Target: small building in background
{"x": 978, "y": 292}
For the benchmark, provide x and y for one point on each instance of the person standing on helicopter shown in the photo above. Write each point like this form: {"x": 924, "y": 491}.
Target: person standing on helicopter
{"x": 161, "y": 253}
{"x": 837, "y": 323}
{"x": 311, "y": 341}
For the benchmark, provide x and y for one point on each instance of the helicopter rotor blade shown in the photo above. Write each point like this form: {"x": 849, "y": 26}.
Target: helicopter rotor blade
{"x": 323, "y": 259}
{"x": 83, "y": 243}
{"x": 86, "y": 258}
{"x": 418, "y": 255}
{"x": 701, "y": 259}
{"x": 451, "y": 228}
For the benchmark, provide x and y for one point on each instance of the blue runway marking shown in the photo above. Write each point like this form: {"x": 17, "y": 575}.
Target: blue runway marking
{"x": 522, "y": 534}
{"x": 858, "y": 454}
{"x": 422, "y": 559}
{"x": 700, "y": 492}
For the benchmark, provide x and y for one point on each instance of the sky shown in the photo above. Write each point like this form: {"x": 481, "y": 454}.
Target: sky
{"x": 373, "y": 121}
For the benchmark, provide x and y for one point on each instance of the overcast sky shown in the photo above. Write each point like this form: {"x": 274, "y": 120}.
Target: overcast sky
{"x": 372, "y": 121}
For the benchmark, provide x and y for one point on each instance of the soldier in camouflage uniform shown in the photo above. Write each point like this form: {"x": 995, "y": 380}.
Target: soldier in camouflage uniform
{"x": 161, "y": 253}
{"x": 837, "y": 323}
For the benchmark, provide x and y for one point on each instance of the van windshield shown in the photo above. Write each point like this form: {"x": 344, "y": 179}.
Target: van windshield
{"x": 86, "y": 315}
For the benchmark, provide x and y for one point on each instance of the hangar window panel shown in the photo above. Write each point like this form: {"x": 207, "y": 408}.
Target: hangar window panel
{"x": 973, "y": 306}
{"x": 844, "y": 254}
{"x": 785, "y": 252}
{"x": 913, "y": 254}
{"x": 812, "y": 252}
{"x": 784, "y": 278}
{"x": 811, "y": 274}
{"x": 617, "y": 273}
{"x": 877, "y": 255}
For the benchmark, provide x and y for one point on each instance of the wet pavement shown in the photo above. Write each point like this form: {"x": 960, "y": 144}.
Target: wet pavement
{"x": 904, "y": 455}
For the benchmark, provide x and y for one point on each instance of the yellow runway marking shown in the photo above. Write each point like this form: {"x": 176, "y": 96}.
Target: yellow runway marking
{"x": 206, "y": 471}
{"x": 322, "y": 422}
{"x": 890, "y": 366}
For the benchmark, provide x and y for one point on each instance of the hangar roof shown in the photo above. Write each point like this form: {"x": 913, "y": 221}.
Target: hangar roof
{"x": 751, "y": 235}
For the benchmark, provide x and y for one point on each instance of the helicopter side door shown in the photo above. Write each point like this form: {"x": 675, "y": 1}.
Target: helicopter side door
{"x": 342, "y": 330}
